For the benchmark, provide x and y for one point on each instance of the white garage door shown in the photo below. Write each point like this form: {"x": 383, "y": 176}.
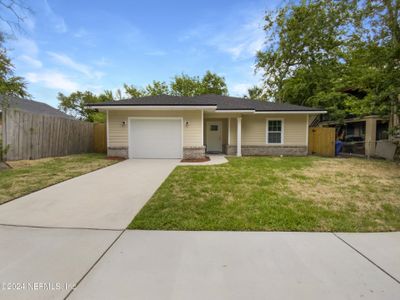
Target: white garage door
{"x": 155, "y": 138}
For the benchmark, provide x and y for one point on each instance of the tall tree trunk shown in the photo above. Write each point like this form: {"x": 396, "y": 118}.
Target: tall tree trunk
{"x": 394, "y": 120}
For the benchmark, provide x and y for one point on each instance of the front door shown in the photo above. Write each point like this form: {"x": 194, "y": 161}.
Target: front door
{"x": 214, "y": 136}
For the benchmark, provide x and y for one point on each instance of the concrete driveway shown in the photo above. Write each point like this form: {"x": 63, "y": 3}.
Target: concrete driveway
{"x": 105, "y": 199}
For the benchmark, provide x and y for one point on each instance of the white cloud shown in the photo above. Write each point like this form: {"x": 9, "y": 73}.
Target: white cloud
{"x": 240, "y": 89}
{"x": 94, "y": 88}
{"x": 240, "y": 35}
{"x": 25, "y": 45}
{"x": 33, "y": 62}
{"x": 81, "y": 33}
{"x": 242, "y": 42}
{"x": 102, "y": 62}
{"x": 65, "y": 60}
{"x": 53, "y": 80}
{"x": 30, "y": 23}
{"x": 58, "y": 22}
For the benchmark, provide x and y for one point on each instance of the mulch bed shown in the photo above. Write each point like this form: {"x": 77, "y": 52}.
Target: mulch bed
{"x": 115, "y": 158}
{"x": 204, "y": 159}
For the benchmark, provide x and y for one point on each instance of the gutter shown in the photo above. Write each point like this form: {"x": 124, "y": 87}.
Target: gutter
{"x": 292, "y": 112}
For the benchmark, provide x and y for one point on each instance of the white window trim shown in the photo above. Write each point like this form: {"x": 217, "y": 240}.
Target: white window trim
{"x": 153, "y": 118}
{"x": 282, "y": 131}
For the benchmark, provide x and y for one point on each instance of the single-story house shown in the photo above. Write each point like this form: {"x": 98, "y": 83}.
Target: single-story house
{"x": 189, "y": 127}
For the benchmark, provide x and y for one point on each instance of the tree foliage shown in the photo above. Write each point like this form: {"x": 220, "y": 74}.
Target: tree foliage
{"x": 74, "y": 104}
{"x": 181, "y": 85}
{"x": 185, "y": 85}
{"x": 255, "y": 93}
{"x": 339, "y": 55}
{"x": 210, "y": 83}
{"x": 12, "y": 15}
{"x": 10, "y": 84}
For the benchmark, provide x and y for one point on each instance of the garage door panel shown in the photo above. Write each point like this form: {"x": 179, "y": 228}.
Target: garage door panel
{"x": 155, "y": 138}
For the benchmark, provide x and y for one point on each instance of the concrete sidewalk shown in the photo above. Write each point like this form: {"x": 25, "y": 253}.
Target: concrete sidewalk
{"x": 58, "y": 258}
{"x": 105, "y": 199}
{"x": 243, "y": 265}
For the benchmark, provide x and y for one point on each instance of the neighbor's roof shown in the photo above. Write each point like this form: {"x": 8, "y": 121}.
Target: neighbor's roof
{"x": 220, "y": 102}
{"x": 34, "y": 107}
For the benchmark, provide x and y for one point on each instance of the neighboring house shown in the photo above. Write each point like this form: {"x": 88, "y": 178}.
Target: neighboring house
{"x": 189, "y": 127}
{"x": 29, "y": 106}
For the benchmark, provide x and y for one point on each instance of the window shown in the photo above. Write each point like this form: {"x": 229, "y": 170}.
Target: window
{"x": 274, "y": 132}
{"x": 214, "y": 128}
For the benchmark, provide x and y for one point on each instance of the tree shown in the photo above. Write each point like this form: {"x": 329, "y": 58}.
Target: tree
{"x": 185, "y": 85}
{"x": 12, "y": 14}
{"x": 341, "y": 55}
{"x": 305, "y": 36}
{"x": 210, "y": 83}
{"x": 10, "y": 84}
{"x": 157, "y": 88}
{"x": 74, "y": 104}
{"x": 255, "y": 93}
{"x": 133, "y": 91}
{"x": 182, "y": 85}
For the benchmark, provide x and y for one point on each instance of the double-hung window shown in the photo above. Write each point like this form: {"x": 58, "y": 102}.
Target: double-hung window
{"x": 274, "y": 131}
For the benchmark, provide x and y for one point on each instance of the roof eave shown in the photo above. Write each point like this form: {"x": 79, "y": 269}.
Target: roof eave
{"x": 291, "y": 112}
{"x": 152, "y": 107}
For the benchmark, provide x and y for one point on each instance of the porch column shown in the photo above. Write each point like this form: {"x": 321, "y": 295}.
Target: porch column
{"x": 239, "y": 137}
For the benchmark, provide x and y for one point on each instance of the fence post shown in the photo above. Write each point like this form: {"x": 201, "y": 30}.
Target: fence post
{"x": 3, "y": 154}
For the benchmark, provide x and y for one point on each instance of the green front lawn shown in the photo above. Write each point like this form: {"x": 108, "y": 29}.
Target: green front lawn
{"x": 283, "y": 194}
{"x": 31, "y": 175}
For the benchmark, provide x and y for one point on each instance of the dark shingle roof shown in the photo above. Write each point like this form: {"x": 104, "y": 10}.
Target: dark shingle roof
{"x": 34, "y": 107}
{"x": 222, "y": 103}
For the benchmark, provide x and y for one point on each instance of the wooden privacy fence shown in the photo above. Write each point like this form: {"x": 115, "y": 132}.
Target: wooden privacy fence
{"x": 100, "y": 138}
{"x": 32, "y": 136}
{"x": 321, "y": 141}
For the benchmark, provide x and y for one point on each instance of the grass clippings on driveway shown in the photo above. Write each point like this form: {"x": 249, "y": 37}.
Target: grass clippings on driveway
{"x": 282, "y": 194}
{"x": 31, "y": 175}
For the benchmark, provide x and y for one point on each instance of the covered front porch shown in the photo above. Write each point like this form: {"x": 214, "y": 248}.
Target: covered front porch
{"x": 248, "y": 133}
{"x": 222, "y": 133}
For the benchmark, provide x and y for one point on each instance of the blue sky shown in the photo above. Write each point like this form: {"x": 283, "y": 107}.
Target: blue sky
{"x": 73, "y": 45}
